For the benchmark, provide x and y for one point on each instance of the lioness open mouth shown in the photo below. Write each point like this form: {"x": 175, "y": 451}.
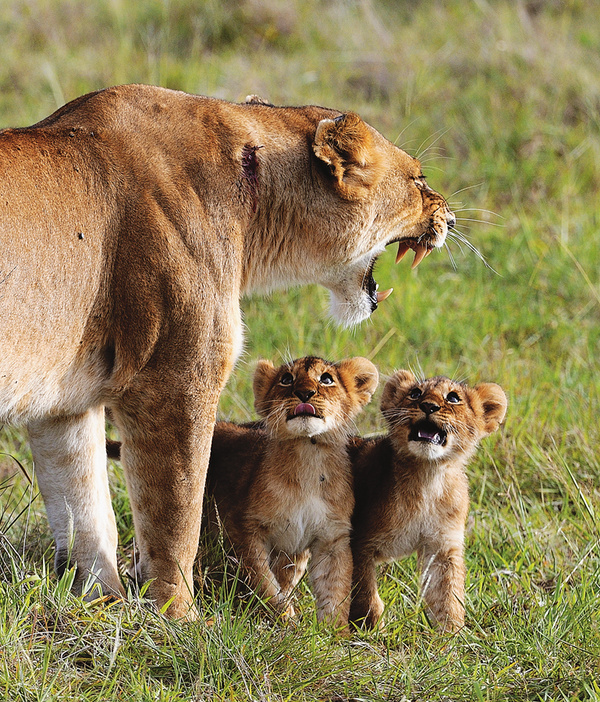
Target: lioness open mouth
{"x": 429, "y": 433}
{"x": 421, "y": 251}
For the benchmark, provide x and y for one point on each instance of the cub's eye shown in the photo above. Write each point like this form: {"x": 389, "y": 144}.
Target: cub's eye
{"x": 452, "y": 398}
{"x": 286, "y": 379}
{"x": 326, "y": 379}
{"x": 415, "y": 394}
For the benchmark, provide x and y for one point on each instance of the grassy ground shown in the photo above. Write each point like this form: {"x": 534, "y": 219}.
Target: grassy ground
{"x": 503, "y": 102}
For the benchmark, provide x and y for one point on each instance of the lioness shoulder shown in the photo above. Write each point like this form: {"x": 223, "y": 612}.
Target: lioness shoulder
{"x": 412, "y": 492}
{"x": 284, "y": 492}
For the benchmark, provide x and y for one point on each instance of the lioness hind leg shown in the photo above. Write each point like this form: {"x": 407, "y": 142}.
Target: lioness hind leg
{"x": 70, "y": 466}
{"x": 165, "y": 447}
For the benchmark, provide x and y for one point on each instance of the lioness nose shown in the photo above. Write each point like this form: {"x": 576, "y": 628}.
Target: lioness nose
{"x": 450, "y": 220}
{"x": 429, "y": 407}
{"x": 304, "y": 395}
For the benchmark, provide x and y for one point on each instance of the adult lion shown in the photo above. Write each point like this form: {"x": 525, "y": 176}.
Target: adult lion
{"x": 132, "y": 221}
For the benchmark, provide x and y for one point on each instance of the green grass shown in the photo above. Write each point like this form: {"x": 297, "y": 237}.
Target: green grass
{"x": 502, "y": 100}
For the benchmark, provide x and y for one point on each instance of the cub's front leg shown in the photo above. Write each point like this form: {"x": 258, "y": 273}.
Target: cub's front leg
{"x": 330, "y": 572}
{"x": 367, "y": 606}
{"x": 289, "y": 570}
{"x": 443, "y": 585}
{"x": 255, "y": 559}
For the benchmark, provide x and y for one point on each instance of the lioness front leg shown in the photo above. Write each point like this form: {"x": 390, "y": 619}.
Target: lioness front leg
{"x": 330, "y": 572}
{"x": 166, "y": 444}
{"x": 70, "y": 466}
{"x": 367, "y": 606}
{"x": 443, "y": 586}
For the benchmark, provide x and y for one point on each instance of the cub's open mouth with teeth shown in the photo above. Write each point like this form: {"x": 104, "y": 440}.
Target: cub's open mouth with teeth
{"x": 428, "y": 432}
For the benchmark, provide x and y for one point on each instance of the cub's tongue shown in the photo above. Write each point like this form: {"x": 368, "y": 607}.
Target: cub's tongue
{"x": 428, "y": 435}
{"x": 304, "y": 408}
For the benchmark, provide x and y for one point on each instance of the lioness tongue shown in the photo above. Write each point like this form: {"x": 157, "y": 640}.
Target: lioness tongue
{"x": 304, "y": 408}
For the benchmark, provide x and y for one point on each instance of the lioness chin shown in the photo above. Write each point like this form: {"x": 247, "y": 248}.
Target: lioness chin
{"x": 133, "y": 220}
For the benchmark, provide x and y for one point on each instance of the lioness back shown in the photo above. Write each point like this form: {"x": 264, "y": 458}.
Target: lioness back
{"x": 283, "y": 491}
{"x": 412, "y": 493}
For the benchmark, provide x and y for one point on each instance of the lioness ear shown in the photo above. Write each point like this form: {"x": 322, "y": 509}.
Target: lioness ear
{"x": 264, "y": 375}
{"x": 364, "y": 374}
{"x": 347, "y": 146}
{"x": 395, "y": 388}
{"x": 494, "y": 402}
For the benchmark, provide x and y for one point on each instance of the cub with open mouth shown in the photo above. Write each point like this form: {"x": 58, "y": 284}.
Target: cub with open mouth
{"x": 282, "y": 491}
{"x": 412, "y": 492}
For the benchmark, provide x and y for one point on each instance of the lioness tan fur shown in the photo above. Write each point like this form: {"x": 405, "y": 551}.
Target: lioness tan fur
{"x": 284, "y": 493}
{"x": 412, "y": 491}
{"x": 132, "y": 221}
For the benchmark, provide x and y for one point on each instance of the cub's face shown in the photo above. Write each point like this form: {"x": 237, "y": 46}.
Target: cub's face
{"x": 311, "y": 396}
{"x": 439, "y": 419}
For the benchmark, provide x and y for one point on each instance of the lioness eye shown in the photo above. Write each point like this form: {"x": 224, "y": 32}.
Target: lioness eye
{"x": 415, "y": 394}
{"x": 286, "y": 379}
{"x": 452, "y": 398}
{"x": 326, "y": 379}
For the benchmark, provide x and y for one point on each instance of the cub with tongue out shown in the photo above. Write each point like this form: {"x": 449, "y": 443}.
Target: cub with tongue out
{"x": 412, "y": 493}
{"x": 283, "y": 490}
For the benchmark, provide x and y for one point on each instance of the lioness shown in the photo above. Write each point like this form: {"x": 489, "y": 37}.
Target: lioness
{"x": 133, "y": 220}
{"x": 284, "y": 492}
{"x": 412, "y": 491}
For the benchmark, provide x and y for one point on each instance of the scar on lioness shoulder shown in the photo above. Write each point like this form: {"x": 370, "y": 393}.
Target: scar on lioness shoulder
{"x": 412, "y": 492}
{"x": 283, "y": 493}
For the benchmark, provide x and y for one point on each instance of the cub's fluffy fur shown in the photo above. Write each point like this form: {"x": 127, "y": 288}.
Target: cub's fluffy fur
{"x": 283, "y": 492}
{"x": 412, "y": 493}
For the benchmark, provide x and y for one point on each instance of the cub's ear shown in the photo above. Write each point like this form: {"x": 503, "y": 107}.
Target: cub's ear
{"x": 364, "y": 375}
{"x": 395, "y": 389}
{"x": 347, "y": 145}
{"x": 264, "y": 375}
{"x": 494, "y": 403}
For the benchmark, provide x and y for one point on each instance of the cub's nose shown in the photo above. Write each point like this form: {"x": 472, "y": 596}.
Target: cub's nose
{"x": 304, "y": 395}
{"x": 450, "y": 220}
{"x": 429, "y": 407}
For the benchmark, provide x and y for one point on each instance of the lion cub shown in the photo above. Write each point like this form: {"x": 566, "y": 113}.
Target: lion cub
{"x": 283, "y": 492}
{"x": 412, "y": 493}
